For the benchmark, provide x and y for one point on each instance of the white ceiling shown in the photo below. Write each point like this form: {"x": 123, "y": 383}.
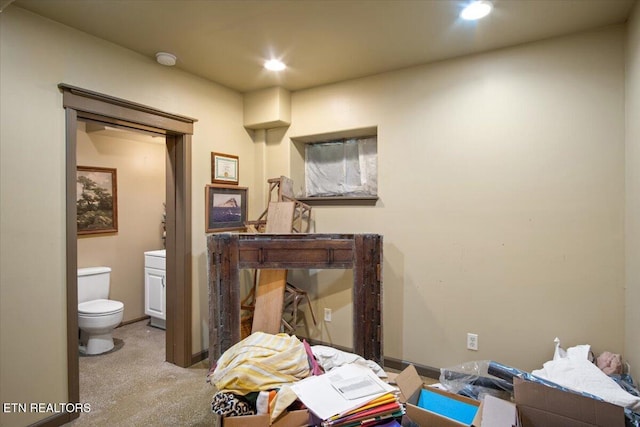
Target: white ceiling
{"x": 322, "y": 41}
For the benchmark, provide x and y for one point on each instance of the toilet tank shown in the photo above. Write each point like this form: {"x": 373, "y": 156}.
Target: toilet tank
{"x": 93, "y": 283}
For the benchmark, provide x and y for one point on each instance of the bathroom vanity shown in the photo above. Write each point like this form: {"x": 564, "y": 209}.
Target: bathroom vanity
{"x": 155, "y": 287}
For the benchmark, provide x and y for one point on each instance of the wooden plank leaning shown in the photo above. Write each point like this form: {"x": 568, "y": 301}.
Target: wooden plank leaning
{"x": 267, "y": 315}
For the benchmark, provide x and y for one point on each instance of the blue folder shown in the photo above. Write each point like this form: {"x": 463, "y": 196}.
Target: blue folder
{"x": 459, "y": 411}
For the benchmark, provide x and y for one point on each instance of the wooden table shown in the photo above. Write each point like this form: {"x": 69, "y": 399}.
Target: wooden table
{"x": 229, "y": 252}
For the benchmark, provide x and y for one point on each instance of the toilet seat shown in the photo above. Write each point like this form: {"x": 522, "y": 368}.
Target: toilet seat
{"x": 100, "y": 307}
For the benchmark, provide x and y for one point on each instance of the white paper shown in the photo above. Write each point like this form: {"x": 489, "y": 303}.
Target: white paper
{"x": 355, "y": 388}
{"x": 576, "y": 372}
{"x": 340, "y": 390}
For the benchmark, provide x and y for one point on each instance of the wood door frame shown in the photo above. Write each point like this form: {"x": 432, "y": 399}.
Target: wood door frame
{"x": 84, "y": 104}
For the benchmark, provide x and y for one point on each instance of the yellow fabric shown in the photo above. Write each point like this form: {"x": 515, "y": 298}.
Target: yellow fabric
{"x": 284, "y": 398}
{"x": 261, "y": 362}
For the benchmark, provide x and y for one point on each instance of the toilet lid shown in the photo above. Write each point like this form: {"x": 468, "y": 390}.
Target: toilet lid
{"x": 100, "y": 307}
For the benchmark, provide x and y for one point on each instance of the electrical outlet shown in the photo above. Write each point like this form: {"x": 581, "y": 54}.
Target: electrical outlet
{"x": 472, "y": 342}
{"x": 327, "y": 315}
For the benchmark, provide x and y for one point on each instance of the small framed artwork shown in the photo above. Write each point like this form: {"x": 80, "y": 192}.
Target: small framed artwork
{"x": 224, "y": 169}
{"x": 96, "y": 200}
{"x": 225, "y": 208}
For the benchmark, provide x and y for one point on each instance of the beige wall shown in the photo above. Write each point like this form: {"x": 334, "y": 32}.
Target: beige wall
{"x": 632, "y": 296}
{"x": 140, "y": 168}
{"x": 501, "y": 184}
{"x": 35, "y": 56}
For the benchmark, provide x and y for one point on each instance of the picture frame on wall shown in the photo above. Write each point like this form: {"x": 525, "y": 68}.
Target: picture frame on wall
{"x": 96, "y": 200}
{"x": 225, "y": 168}
{"x": 225, "y": 207}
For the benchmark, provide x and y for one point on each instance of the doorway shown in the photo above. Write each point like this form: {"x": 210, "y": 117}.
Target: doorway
{"x": 84, "y": 104}
{"x": 136, "y": 163}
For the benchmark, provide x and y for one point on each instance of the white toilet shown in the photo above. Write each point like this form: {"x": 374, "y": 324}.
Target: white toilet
{"x": 97, "y": 315}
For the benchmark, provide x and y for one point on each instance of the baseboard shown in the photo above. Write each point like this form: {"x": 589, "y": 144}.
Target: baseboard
{"x": 389, "y": 362}
{"x": 55, "y": 420}
{"x": 199, "y": 357}
{"x": 424, "y": 371}
{"x": 311, "y": 341}
{"x": 128, "y": 322}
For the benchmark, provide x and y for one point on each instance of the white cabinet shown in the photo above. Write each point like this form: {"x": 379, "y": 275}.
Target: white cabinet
{"x": 155, "y": 287}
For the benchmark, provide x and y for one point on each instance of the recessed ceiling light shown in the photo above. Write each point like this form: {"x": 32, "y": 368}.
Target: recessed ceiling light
{"x": 274, "y": 65}
{"x": 165, "y": 58}
{"x": 476, "y": 10}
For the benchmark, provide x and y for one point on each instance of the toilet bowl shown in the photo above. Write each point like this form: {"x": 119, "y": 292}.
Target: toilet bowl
{"x": 97, "y": 319}
{"x": 97, "y": 315}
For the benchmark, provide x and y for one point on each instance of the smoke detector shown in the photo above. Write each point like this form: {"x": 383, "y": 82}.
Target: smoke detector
{"x": 165, "y": 58}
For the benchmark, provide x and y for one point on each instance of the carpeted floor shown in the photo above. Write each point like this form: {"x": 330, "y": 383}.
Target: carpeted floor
{"x": 134, "y": 386}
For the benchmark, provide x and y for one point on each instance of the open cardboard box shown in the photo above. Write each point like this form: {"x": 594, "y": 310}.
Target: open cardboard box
{"x": 290, "y": 419}
{"x": 536, "y": 405}
{"x": 411, "y": 385}
{"x": 542, "y": 406}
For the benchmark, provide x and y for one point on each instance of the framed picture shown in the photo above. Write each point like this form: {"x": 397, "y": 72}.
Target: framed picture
{"x": 224, "y": 168}
{"x": 96, "y": 200}
{"x": 225, "y": 208}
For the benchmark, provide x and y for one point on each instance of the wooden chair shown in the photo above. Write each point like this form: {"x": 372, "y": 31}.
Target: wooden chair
{"x": 281, "y": 190}
{"x": 265, "y": 303}
{"x": 293, "y": 296}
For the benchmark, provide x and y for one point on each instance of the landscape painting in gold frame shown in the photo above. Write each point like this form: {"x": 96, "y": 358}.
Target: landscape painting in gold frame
{"x": 96, "y": 200}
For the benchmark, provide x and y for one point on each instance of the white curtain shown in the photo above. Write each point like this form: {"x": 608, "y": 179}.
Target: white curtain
{"x": 342, "y": 168}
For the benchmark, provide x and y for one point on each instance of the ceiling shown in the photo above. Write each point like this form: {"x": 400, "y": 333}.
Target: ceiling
{"x": 322, "y": 41}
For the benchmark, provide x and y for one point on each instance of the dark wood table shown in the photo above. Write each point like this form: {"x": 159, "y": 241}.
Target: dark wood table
{"x": 230, "y": 252}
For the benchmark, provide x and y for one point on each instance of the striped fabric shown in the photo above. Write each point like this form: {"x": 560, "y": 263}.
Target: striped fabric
{"x": 261, "y": 362}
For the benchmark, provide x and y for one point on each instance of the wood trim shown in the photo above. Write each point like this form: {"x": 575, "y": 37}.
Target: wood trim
{"x": 81, "y": 103}
{"x": 123, "y": 124}
{"x": 73, "y": 368}
{"x": 129, "y": 322}
{"x": 179, "y": 310}
{"x": 88, "y": 101}
{"x": 389, "y": 362}
{"x": 424, "y": 371}
{"x": 340, "y": 200}
{"x": 199, "y": 357}
{"x": 170, "y": 241}
{"x": 183, "y": 251}
{"x": 56, "y": 420}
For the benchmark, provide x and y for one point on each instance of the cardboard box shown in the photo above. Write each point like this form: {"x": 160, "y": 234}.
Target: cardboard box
{"x": 290, "y": 419}
{"x": 536, "y": 405}
{"x": 411, "y": 386}
{"x": 496, "y": 412}
{"x": 542, "y": 406}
